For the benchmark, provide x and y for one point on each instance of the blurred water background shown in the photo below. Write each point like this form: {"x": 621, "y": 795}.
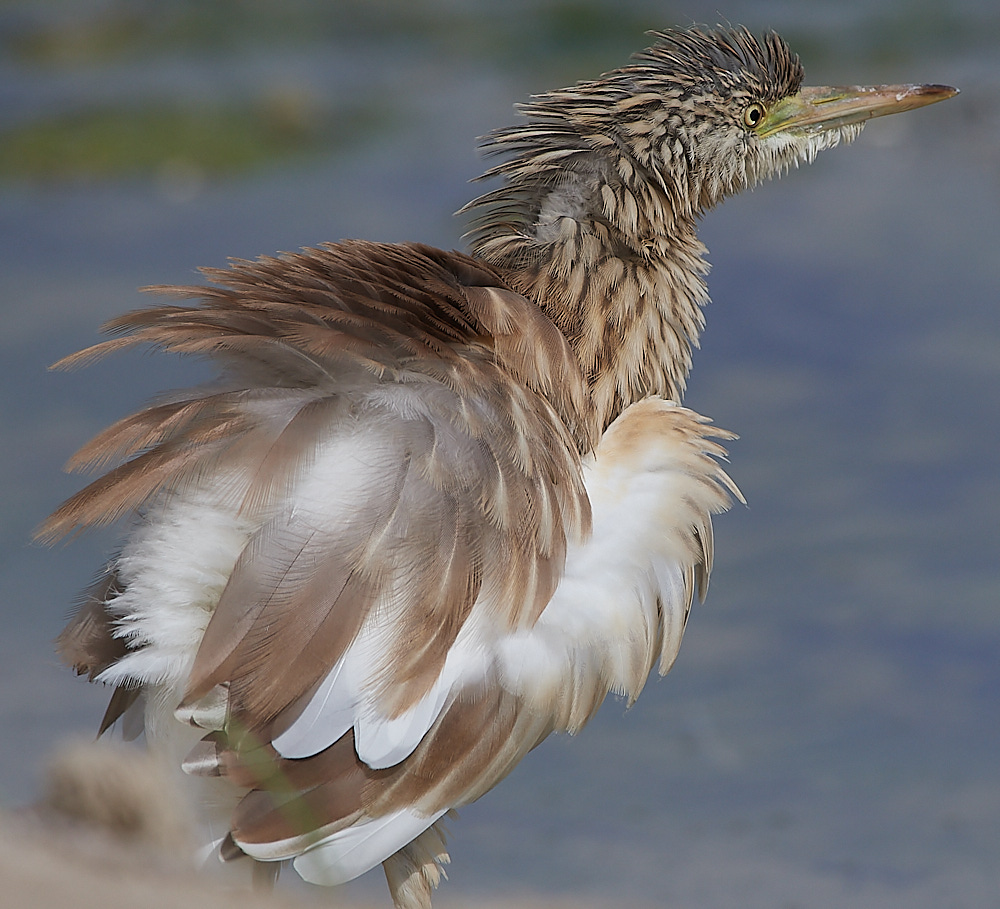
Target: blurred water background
{"x": 830, "y": 736}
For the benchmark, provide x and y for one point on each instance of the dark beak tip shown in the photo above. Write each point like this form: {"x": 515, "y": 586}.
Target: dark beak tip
{"x": 942, "y": 91}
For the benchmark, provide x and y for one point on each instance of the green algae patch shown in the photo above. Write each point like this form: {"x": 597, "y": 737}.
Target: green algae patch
{"x": 213, "y": 140}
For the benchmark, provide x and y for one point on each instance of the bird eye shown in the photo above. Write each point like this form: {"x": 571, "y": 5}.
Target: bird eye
{"x": 753, "y": 114}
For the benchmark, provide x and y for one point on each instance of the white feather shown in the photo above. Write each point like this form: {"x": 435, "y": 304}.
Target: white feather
{"x": 173, "y": 569}
{"x": 328, "y": 714}
{"x": 382, "y": 742}
{"x": 348, "y": 853}
{"x": 623, "y": 588}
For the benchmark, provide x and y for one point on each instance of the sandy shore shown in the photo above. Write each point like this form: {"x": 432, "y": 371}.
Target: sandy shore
{"x": 45, "y": 868}
{"x": 110, "y": 832}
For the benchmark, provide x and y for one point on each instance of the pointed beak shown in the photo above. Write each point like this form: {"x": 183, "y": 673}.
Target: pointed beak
{"x": 816, "y": 109}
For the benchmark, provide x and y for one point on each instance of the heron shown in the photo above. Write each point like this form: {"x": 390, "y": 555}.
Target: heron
{"x": 437, "y": 505}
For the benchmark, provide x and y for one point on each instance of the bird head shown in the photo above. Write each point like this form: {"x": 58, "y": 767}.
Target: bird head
{"x": 723, "y": 110}
{"x": 696, "y": 117}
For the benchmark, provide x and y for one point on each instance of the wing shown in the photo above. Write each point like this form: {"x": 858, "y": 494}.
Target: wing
{"x": 384, "y": 479}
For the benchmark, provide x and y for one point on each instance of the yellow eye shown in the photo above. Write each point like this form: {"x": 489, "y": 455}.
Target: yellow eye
{"x": 753, "y": 114}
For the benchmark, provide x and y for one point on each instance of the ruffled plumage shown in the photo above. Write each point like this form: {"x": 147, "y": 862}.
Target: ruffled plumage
{"x": 436, "y": 506}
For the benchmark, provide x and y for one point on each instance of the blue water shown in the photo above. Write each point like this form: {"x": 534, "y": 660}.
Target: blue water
{"x": 830, "y": 736}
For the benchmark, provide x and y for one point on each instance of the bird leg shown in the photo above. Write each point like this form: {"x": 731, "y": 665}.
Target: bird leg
{"x": 415, "y": 871}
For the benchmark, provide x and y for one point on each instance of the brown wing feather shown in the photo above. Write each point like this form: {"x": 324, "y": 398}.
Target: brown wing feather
{"x": 470, "y": 749}
{"x": 298, "y": 335}
{"x": 294, "y": 602}
{"x": 396, "y": 301}
{"x": 87, "y": 643}
{"x": 143, "y": 430}
{"x": 128, "y": 487}
{"x": 121, "y": 699}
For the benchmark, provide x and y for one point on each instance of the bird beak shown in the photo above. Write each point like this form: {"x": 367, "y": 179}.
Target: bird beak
{"x": 816, "y": 109}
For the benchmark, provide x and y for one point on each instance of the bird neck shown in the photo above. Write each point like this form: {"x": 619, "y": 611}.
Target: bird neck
{"x": 612, "y": 264}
